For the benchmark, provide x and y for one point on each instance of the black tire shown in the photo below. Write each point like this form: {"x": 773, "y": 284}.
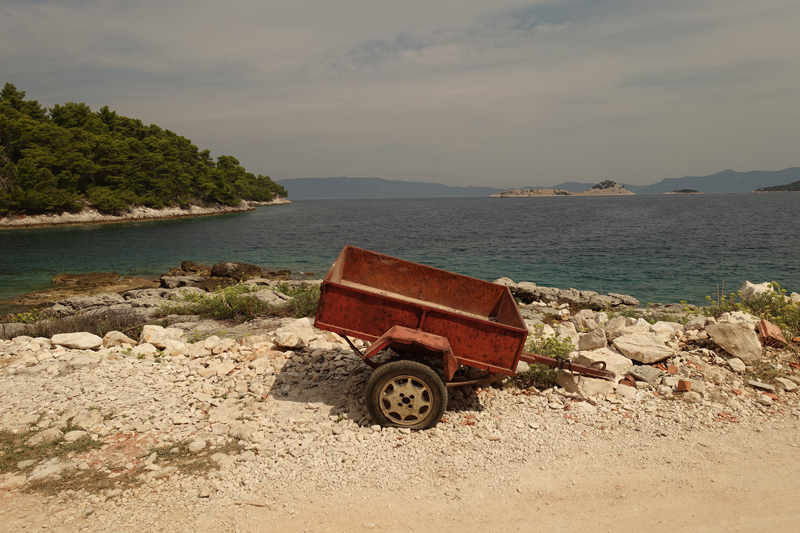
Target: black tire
{"x": 406, "y": 394}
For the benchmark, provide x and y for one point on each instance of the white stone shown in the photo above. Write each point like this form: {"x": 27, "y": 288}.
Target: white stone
{"x": 751, "y": 290}
{"x": 116, "y": 338}
{"x": 643, "y": 347}
{"x": 786, "y": 384}
{"x": 78, "y": 341}
{"x": 625, "y": 392}
{"x": 302, "y": 329}
{"x": 144, "y": 350}
{"x": 737, "y": 365}
{"x": 593, "y": 340}
{"x": 665, "y": 331}
{"x": 45, "y": 436}
{"x": 584, "y": 386}
{"x": 157, "y": 335}
{"x": 738, "y": 339}
{"x": 615, "y": 361}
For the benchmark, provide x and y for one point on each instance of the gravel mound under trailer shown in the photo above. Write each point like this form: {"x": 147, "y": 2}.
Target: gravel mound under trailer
{"x": 424, "y": 314}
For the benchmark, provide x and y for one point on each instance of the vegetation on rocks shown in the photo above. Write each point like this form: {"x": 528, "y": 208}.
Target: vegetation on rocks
{"x": 772, "y": 305}
{"x": 63, "y": 158}
{"x": 542, "y": 376}
{"x": 98, "y": 324}
{"x": 237, "y": 303}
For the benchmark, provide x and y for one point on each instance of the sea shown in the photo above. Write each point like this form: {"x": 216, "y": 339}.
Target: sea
{"x": 657, "y": 248}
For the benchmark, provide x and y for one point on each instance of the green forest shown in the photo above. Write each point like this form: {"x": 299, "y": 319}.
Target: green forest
{"x": 67, "y": 157}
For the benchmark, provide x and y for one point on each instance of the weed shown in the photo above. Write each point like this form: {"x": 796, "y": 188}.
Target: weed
{"x": 99, "y": 324}
{"x": 14, "y": 448}
{"x": 237, "y": 303}
{"x": 538, "y": 375}
{"x": 771, "y": 305}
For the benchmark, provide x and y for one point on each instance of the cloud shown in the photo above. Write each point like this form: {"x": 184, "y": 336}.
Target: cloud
{"x": 462, "y": 92}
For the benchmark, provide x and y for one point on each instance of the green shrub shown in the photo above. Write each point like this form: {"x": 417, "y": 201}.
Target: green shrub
{"x": 236, "y": 303}
{"x": 772, "y": 305}
{"x": 538, "y": 375}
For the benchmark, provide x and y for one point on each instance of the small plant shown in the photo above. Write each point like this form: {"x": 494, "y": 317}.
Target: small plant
{"x": 237, "y": 303}
{"x": 771, "y": 305}
{"x": 542, "y": 376}
{"x": 30, "y": 317}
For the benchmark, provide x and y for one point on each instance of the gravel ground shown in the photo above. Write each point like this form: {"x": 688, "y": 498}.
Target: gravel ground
{"x": 284, "y": 420}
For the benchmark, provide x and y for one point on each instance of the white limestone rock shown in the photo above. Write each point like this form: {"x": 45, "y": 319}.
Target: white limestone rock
{"x": 738, "y": 339}
{"x": 158, "y": 336}
{"x": 593, "y": 340}
{"x": 78, "y": 341}
{"x": 113, "y": 339}
{"x": 615, "y": 361}
{"x": 586, "y": 387}
{"x": 643, "y": 347}
{"x": 751, "y": 290}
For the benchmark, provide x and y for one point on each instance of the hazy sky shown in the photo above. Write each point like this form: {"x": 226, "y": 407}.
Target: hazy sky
{"x": 504, "y": 93}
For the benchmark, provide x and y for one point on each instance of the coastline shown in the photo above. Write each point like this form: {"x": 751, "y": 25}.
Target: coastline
{"x": 136, "y": 213}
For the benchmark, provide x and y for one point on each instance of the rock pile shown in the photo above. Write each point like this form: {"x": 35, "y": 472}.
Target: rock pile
{"x": 208, "y": 278}
{"x": 527, "y": 293}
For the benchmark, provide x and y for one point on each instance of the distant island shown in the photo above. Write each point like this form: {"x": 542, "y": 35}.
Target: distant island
{"x": 792, "y": 187}
{"x": 605, "y": 188}
{"x": 70, "y": 159}
{"x": 684, "y": 191}
{"x": 357, "y": 188}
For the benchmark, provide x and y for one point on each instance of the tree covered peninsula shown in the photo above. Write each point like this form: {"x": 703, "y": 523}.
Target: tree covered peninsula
{"x": 67, "y": 157}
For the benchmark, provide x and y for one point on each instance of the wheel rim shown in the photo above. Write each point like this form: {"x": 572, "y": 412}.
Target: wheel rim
{"x": 406, "y": 400}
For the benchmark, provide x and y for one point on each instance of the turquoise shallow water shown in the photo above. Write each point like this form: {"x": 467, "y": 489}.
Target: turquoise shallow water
{"x": 657, "y": 248}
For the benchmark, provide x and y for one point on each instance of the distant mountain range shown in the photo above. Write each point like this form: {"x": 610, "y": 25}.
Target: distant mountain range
{"x": 727, "y": 181}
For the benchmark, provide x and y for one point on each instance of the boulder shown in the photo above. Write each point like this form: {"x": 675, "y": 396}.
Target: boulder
{"x": 615, "y": 361}
{"x": 645, "y": 373}
{"x": 116, "y": 338}
{"x": 643, "y": 347}
{"x": 172, "y": 282}
{"x": 45, "y": 436}
{"x": 271, "y": 297}
{"x": 584, "y": 386}
{"x": 738, "y": 339}
{"x": 78, "y": 341}
{"x": 593, "y": 340}
{"x": 751, "y": 290}
{"x": 237, "y": 271}
{"x": 100, "y": 303}
{"x": 625, "y": 299}
{"x": 698, "y": 323}
{"x": 302, "y": 329}
{"x": 158, "y": 336}
{"x": 665, "y": 331}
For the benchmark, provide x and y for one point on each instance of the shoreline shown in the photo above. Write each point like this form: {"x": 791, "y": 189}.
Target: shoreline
{"x": 134, "y": 214}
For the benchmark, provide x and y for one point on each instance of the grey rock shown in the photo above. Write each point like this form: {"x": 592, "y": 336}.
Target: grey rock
{"x": 692, "y": 397}
{"x": 45, "y": 436}
{"x": 645, "y": 373}
{"x": 584, "y": 386}
{"x": 593, "y": 340}
{"x": 786, "y": 384}
{"x": 625, "y": 299}
{"x": 737, "y": 365}
{"x": 758, "y": 385}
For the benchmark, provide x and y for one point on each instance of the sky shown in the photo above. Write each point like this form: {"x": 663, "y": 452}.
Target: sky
{"x": 504, "y": 93}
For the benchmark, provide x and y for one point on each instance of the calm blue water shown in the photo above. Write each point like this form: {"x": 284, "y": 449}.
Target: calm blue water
{"x": 656, "y": 248}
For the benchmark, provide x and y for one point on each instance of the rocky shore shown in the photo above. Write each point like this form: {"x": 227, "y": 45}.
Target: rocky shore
{"x": 276, "y": 407}
{"x": 91, "y": 216}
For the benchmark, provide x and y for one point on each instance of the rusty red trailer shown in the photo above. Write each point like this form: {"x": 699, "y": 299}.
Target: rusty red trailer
{"x": 419, "y": 310}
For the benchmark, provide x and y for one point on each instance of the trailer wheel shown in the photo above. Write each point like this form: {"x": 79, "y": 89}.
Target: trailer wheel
{"x": 406, "y": 394}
